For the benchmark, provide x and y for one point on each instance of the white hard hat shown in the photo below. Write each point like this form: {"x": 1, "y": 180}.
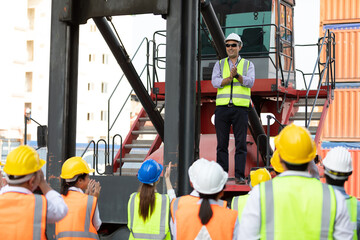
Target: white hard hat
{"x": 234, "y": 37}
{"x": 207, "y": 177}
{"x": 338, "y": 163}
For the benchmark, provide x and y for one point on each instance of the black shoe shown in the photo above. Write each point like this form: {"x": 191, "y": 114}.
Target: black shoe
{"x": 240, "y": 181}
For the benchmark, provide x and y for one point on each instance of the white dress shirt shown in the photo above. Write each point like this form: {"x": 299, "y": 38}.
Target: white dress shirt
{"x": 96, "y": 219}
{"x": 56, "y": 207}
{"x": 171, "y": 194}
{"x": 250, "y": 223}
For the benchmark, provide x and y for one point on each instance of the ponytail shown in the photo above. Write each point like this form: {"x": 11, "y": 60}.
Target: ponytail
{"x": 147, "y": 200}
{"x": 205, "y": 212}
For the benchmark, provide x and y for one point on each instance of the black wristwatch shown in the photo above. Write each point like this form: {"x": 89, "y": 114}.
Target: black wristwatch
{"x": 236, "y": 76}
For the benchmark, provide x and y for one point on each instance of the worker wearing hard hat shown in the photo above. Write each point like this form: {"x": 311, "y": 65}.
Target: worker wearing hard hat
{"x": 275, "y": 163}
{"x": 83, "y": 209}
{"x": 206, "y": 216}
{"x": 295, "y": 205}
{"x": 233, "y": 77}
{"x": 148, "y": 211}
{"x": 256, "y": 176}
{"x": 24, "y": 215}
{"x": 338, "y": 168}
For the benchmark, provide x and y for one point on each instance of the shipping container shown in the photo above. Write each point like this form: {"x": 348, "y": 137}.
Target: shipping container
{"x": 347, "y": 51}
{"x": 352, "y": 186}
{"x": 339, "y": 11}
{"x": 343, "y": 118}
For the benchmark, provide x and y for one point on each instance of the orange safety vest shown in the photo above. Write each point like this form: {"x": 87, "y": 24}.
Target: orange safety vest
{"x": 77, "y": 224}
{"x": 185, "y": 214}
{"x": 22, "y": 216}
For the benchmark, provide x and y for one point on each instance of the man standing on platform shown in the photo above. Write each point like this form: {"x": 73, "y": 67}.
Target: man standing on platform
{"x": 233, "y": 77}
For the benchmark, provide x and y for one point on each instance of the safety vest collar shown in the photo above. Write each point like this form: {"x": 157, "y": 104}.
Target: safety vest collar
{"x": 163, "y": 219}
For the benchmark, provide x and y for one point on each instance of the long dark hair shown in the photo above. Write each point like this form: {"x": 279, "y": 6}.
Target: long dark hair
{"x": 205, "y": 212}
{"x": 147, "y": 200}
{"x": 66, "y": 185}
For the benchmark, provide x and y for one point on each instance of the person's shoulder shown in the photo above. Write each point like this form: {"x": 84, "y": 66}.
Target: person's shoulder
{"x": 134, "y": 193}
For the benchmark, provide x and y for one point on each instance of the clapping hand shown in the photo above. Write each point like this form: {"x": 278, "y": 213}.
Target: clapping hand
{"x": 93, "y": 188}
{"x": 233, "y": 72}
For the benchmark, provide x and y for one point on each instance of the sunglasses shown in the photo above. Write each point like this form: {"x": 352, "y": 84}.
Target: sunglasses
{"x": 231, "y": 45}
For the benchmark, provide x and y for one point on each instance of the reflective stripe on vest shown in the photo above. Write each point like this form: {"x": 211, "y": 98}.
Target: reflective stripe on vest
{"x": 164, "y": 218}
{"x": 281, "y": 218}
{"x": 352, "y": 209}
{"x": 240, "y": 95}
{"x": 77, "y": 235}
{"x": 37, "y": 217}
{"x": 87, "y": 223}
{"x": 238, "y": 203}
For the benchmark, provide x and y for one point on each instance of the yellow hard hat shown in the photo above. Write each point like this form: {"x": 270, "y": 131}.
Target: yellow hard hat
{"x": 23, "y": 160}
{"x": 275, "y": 162}
{"x": 295, "y": 145}
{"x": 258, "y": 176}
{"x": 74, "y": 166}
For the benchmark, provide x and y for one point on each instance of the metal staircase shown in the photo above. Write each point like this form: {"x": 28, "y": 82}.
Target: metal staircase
{"x": 313, "y": 105}
{"x": 141, "y": 141}
{"x": 300, "y": 116}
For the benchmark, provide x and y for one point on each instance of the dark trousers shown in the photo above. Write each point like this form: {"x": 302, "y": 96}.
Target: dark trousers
{"x": 237, "y": 117}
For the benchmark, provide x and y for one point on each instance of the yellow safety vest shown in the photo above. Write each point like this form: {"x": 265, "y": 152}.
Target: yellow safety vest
{"x": 156, "y": 226}
{"x": 238, "y": 203}
{"x": 239, "y": 94}
{"x": 294, "y": 207}
{"x": 352, "y": 209}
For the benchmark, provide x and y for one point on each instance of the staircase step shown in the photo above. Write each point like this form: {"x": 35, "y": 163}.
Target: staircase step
{"x": 301, "y": 116}
{"x": 142, "y": 141}
{"x": 129, "y": 171}
{"x": 133, "y": 158}
{"x": 145, "y": 130}
{"x": 310, "y": 102}
{"x": 145, "y": 119}
{"x": 138, "y": 145}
